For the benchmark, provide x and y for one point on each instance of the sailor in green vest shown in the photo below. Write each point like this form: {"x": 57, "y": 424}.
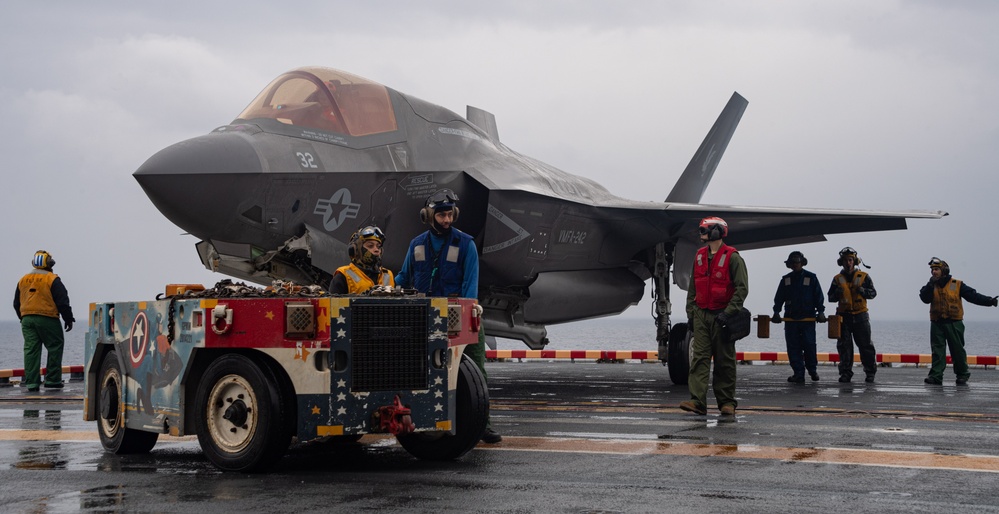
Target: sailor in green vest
{"x": 39, "y": 300}
{"x": 365, "y": 269}
{"x": 944, "y": 294}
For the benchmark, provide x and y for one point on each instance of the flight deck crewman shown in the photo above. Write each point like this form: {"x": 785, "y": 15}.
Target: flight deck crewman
{"x": 944, "y": 293}
{"x": 443, "y": 261}
{"x": 851, "y": 289}
{"x": 39, "y": 299}
{"x": 800, "y": 294}
{"x": 365, "y": 269}
{"x": 720, "y": 284}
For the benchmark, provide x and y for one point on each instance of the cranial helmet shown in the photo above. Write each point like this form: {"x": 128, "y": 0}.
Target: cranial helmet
{"x": 796, "y": 256}
{"x": 355, "y": 249}
{"x": 848, "y": 252}
{"x": 714, "y": 227}
{"x": 441, "y": 200}
{"x": 42, "y": 260}
{"x": 942, "y": 264}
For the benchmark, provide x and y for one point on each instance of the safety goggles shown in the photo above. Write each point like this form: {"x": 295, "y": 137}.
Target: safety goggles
{"x": 442, "y": 198}
{"x": 936, "y": 263}
{"x": 847, "y": 251}
{"x": 705, "y": 230}
{"x": 371, "y": 231}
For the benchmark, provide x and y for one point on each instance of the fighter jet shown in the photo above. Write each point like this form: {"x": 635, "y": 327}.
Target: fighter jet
{"x": 320, "y": 152}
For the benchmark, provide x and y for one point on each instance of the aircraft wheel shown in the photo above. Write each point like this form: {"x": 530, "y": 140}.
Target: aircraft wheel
{"x": 472, "y": 406}
{"x": 111, "y": 412}
{"x": 238, "y": 415}
{"x": 679, "y": 353}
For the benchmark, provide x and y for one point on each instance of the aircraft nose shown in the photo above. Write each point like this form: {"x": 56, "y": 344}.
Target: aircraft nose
{"x": 194, "y": 182}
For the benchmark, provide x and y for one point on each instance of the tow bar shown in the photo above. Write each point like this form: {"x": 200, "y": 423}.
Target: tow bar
{"x": 395, "y": 419}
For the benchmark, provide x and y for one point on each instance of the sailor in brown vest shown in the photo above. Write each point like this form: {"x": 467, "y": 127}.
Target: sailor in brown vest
{"x": 944, "y": 294}
{"x": 39, "y": 300}
{"x": 365, "y": 269}
{"x": 850, "y": 290}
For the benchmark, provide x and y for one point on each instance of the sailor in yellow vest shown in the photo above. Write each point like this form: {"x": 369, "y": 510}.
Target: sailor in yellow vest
{"x": 365, "y": 269}
{"x": 851, "y": 289}
{"x": 39, "y": 300}
{"x": 944, "y": 293}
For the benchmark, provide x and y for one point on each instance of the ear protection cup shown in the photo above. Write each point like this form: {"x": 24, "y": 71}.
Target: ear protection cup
{"x": 795, "y": 255}
{"x": 455, "y": 217}
{"x": 352, "y": 246}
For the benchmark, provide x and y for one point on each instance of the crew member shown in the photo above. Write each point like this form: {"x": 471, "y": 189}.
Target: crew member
{"x": 365, "y": 269}
{"x": 443, "y": 261}
{"x": 39, "y": 299}
{"x": 800, "y": 294}
{"x": 944, "y": 294}
{"x": 851, "y": 289}
{"x": 720, "y": 284}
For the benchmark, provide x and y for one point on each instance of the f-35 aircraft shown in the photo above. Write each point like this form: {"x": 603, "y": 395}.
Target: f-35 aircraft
{"x": 277, "y": 193}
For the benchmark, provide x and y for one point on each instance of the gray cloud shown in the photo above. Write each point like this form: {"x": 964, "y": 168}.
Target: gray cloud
{"x": 852, "y": 104}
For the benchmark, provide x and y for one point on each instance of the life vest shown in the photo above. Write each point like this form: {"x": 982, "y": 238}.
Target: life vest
{"x": 449, "y": 264}
{"x": 947, "y": 302}
{"x": 712, "y": 280}
{"x": 359, "y": 281}
{"x": 35, "y": 289}
{"x": 851, "y": 302}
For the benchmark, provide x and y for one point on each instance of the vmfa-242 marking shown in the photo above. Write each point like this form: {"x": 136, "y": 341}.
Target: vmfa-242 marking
{"x": 251, "y": 375}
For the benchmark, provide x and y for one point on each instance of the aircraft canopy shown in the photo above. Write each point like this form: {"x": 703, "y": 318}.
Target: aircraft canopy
{"x": 325, "y": 99}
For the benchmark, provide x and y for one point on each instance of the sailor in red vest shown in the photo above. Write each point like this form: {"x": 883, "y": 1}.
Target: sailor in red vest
{"x": 850, "y": 290}
{"x": 944, "y": 294}
{"x": 39, "y": 300}
{"x": 720, "y": 284}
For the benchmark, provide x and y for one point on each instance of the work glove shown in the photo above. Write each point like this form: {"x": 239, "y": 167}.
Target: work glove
{"x": 776, "y": 318}
{"x": 995, "y": 301}
{"x": 722, "y": 319}
{"x": 69, "y": 326}
{"x": 821, "y": 318}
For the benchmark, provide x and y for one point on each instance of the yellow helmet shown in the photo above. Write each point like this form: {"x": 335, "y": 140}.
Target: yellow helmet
{"x": 42, "y": 260}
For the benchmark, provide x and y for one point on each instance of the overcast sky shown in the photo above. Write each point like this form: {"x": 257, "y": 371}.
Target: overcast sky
{"x": 852, "y": 104}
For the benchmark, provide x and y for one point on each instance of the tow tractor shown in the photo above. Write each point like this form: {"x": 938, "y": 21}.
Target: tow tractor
{"x": 253, "y": 370}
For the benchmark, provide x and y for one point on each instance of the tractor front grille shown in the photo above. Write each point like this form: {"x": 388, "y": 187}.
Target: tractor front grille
{"x": 388, "y": 344}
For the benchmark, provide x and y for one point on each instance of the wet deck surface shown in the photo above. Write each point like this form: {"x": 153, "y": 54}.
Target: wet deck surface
{"x": 577, "y": 437}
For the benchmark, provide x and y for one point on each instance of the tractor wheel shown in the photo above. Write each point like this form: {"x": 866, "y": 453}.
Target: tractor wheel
{"x": 472, "y": 405}
{"x": 238, "y": 415}
{"x": 111, "y": 412}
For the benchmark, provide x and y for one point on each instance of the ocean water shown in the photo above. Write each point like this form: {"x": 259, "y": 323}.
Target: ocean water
{"x": 618, "y": 333}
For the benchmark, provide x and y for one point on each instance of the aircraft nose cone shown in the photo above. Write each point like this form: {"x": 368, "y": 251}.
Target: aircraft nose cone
{"x": 194, "y": 183}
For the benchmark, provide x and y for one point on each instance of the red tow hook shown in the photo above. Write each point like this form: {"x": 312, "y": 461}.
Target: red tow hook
{"x": 395, "y": 419}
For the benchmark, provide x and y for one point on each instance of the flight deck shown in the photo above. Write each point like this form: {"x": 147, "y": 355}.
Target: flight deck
{"x": 576, "y": 436}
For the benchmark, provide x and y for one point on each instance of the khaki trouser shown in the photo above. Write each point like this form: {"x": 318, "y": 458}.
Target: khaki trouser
{"x": 710, "y": 341}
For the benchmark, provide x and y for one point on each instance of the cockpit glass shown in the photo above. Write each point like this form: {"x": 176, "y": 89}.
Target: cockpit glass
{"x": 325, "y": 99}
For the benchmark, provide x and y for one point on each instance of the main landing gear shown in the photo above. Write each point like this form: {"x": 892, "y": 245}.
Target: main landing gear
{"x": 674, "y": 341}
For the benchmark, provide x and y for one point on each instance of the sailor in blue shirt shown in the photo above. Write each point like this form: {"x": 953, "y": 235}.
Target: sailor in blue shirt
{"x": 443, "y": 261}
{"x": 800, "y": 294}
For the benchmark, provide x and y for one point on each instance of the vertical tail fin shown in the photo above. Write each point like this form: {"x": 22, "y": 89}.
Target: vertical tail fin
{"x": 694, "y": 180}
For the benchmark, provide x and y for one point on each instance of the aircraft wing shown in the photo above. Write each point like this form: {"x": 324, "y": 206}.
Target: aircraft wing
{"x": 766, "y": 227}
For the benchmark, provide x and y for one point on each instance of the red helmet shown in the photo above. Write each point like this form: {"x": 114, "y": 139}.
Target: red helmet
{"x": 714, "y": 227}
